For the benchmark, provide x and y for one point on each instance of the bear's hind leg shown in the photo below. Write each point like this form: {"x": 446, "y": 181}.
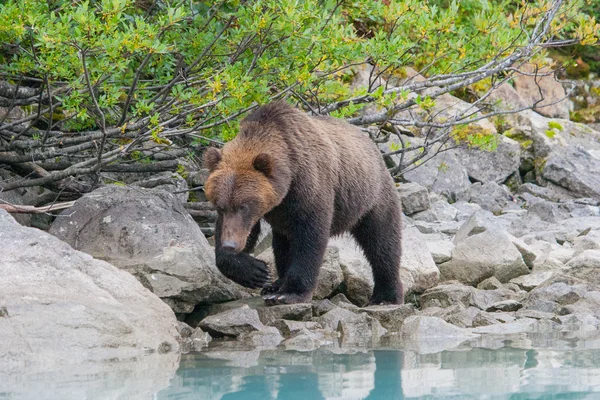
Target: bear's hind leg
{"x": 379, "y": 235}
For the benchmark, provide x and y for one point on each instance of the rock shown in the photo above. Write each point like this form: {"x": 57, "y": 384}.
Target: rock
{"x": 482, "y": 250}
{"x": 447, "y": 294}
{"x": 391, "y": 317}
{"x": 490, "y": 196}
{"x": 575, "y": 169}
{"x": 534, "y": 314}
{"x": 233, "y": 323}
{"x": 199, "y": 339}
{"x": 340, "y": 300}
{"x": 563, "y": 255}
{"x": 506, "y": 305}
{"x": 294, "y": 312}
{"x": 589, "y": 241}
{"x": 321, "y": 307}
{"x": 268, "y": 336}
{"x": 431, "y": 334}
{"x": 540, "y": 87}
{"x": 533, "y": 280}
{"x": 306, "y": 340}
{"x": 441, "y": 250}
{"x": 492, "y": 166}
{"x": 331, "y": 319}
{"x": 506, "y": 97}
{"x": 490, "y": 284}
{"x": 414, "y": 198}
{"x": 585, "y": 266}
{"x": 360, "y": 330}
{"x": 330, "y": 274}
{"x": 485, "y": 299}
{"x": 149, "y": 234}
{"x": 588, "y": 304}
{"x": 418, "y": 270}
{"x": 444, "y": 174}
{"x": 61, "y": 305}
{"x": 291, "y": 328}
{"x": 512, "y": 328}
{"x": 465, "y": 210}
{"x": 528, "y": 254}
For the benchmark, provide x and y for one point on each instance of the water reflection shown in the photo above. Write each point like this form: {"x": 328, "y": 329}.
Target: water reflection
{"x": 507, "y": 373}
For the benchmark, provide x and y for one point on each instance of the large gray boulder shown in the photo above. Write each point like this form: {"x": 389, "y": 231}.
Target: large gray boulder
{"x": 418, "y": 271}
{"x": 576, "y": 169}
{"x": 483, "y": 250}
{"x": 58, "y": 304}
{"x": 492, "y": 166}
{"x": 148, "y": 233}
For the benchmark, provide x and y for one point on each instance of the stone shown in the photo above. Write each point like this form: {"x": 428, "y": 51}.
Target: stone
{"x": 485, "y": 299}
{"x": 585, "y": 266}
{"x": 330, "y": 274}
{"x": 575, "y": 169}
{"x": 460, "y": 316}
{"x": 200, "y": 339}
{"x": 490, "y": 196}
{"x": 444, "y": 174}
{"x": 418, "y": 270}
{"x": 588, "y": 304}
{"x": 528, "y": 254}
{"x": 431, "y": 334}
{"x": 414, "y": 198}
{"x": 482, "y": 250}
{"x": 59, "y": 305}
{"x": 512, "y": 328}
{"x": 507, "y": 98}
{"x": 323, "y": 306}
{"x": 490, "y": 284}
{"x": 290, "y": 328}
{"x": 331, "y": 319}
{"x": 232, "y": 323}
{"x": 533, "y": 280}
{"x": 266, "y": 337}
{"x": 465, "y": 209}
{"x": 444, "y": 211}
{"x": 306, "y": 340}
{"x": 148, "y": 233}
{"x": 563, "y": 255}
{"x": 295, "y": 312}
{"x": 492, "y": 166}
{"x": 391, "y": 317}
{"x": 539, "y": 86}
{"x": 441, "y": 250}
{"x": 359, "y": 330}
{"x": 506, "y": 305}
{"x": 447, "y": 294}
{"x": 589, "y": 241}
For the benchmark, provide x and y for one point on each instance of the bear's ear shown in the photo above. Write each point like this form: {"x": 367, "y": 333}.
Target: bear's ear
{"x": 212, "y": 158}
{"x": 263, "y": 163}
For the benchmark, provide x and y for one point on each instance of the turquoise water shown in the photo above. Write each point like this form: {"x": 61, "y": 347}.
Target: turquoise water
{"x": 507, "y": 373}
{"x": 515, "y": 370}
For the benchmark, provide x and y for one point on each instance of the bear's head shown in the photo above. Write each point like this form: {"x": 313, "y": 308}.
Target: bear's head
{"x": 244, "y": 184}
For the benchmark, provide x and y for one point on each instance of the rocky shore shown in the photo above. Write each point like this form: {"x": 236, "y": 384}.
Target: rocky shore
{"x": 496, "y": 244}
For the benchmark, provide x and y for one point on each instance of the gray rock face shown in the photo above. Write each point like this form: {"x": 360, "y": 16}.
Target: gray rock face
{"x": 330, "y": 274}
{"x": 391, "y": 317}
{"x": 150, "y": 235}
{"x": 585, "y": 266}
{"x": 575, "y": 169}
{"x": 540, "y": 87}
{"x": 233, "y": 323}
{"x": 490, "y": 196}
{"x": 414, "y": 198}
{"x": 431, "y": 334}
{"x": 483, "y": 250}
{"x": 493, "y": 166}
{"x": 59, "y": 304}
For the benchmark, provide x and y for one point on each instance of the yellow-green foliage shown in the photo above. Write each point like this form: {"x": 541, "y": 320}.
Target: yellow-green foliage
{"x": 244, "y": 53}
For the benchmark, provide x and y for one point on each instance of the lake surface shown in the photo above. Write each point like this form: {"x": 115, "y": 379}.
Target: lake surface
{"x": 503, "y": 369}
{"x": 506, "y": 373}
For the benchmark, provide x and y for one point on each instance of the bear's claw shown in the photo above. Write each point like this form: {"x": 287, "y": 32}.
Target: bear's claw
{"x": 284, "y": 298}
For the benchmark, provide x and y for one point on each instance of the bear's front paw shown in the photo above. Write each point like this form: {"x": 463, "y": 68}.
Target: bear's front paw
{"x": 244, "y": 269}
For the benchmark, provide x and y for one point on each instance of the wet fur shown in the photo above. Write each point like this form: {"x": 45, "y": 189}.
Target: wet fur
{"x": 322, "y": 177}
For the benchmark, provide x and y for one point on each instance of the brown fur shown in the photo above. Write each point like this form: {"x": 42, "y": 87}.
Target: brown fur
{"x": 310, "y": 178}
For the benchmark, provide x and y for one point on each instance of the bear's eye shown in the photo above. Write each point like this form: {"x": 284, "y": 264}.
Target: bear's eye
{"x": 244, "y": 208}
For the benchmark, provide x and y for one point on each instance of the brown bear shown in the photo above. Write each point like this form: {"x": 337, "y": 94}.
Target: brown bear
{"x": 310, "y": 178}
